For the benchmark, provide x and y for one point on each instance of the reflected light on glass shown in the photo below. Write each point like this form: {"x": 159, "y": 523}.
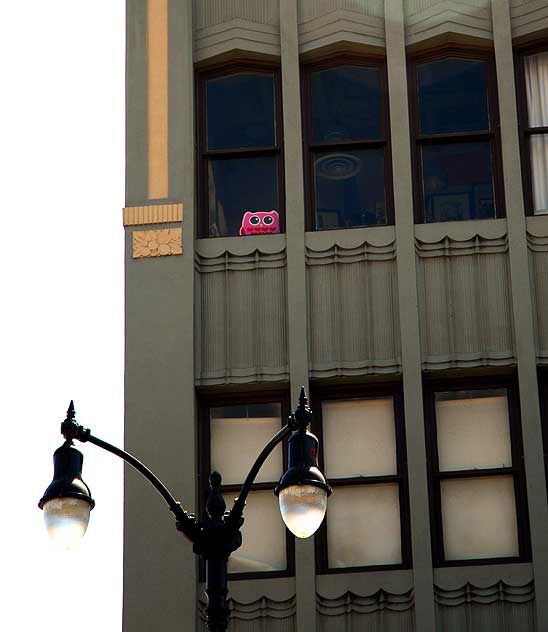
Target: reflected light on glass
{"x": 66, "y": 520}
{"x": 303, "y": 508}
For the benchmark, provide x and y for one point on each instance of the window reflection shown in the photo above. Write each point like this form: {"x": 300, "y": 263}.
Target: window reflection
{"x": 346, "y": 104}
{"x": 239, "y": 185}
{"x": 458, "y": 182}
{"x": 349, "y": 188}
{"x": 453, "y": 96}
{"x": 240, "y": 112}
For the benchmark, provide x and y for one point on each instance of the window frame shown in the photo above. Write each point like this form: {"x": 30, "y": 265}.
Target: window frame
{"x": 321, "y": 393}
{"x": 418, "y": 139}
{"x": 525, "y": 131}
{"x": 309, "y": 147}
{"x": 205, "y": 403}
{"x": 430, "y": 388}
{"x": 203, "y": 153}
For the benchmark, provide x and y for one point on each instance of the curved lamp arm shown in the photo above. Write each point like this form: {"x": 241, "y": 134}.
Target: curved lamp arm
{"x": 239, "y": 504}
{"x": 70, "y": 429}
{"x": 299, "y": 420}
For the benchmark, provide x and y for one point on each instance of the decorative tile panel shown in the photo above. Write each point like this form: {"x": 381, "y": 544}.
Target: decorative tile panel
{"x": 153, "y": 214}
{"x": 157, "y": 243}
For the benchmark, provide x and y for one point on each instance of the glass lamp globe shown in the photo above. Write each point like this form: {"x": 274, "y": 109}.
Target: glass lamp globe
{"x": 66, "y": 520}
{"x": 303, "y": 508}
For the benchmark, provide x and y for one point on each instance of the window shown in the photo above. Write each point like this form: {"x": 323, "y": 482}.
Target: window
{"x": 233, "y": 431}
{"x": 240, "y": 159}
{"x": 362, "y": 452}
{"x": 477, "y": 485}
{"x": 532, "y": 76}
{"x": 347, "y": 151}
{"x": 457, "y": 149}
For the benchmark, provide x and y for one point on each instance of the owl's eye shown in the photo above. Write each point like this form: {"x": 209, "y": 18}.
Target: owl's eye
{"x": 254, "y": 220}
{"x": 268, "y": 220}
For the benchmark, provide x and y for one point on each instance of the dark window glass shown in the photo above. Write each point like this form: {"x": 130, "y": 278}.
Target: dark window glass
{"x": 237, "y": 185}
{"x": 346, "y": 146}
{"x": 239, "y": 143}
{"x": 240, "y": 112}
{"x": 346, "y": 104}
{"x": 457, "y": 150}
{"x": 458, "y": 181}
{"x": 453, "y": 96}
{"x": 349, "y": 187}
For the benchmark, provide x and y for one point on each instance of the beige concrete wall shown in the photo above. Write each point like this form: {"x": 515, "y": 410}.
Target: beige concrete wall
{"x": 350, "y": 304}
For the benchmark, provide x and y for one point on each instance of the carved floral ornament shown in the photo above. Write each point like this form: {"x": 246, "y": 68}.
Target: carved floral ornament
{"x": 157, "y": 243}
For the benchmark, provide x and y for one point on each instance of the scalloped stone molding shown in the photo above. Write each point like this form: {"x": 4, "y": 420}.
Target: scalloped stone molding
{"x": 153, "y": 214}
{"x": 499, "y": 607}
{"x": 157, "y": 243}
{"x": 381, "y": 610}
{"x": 279, "y": 613}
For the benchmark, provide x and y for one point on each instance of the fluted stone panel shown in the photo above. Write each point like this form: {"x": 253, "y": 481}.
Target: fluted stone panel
{"x": 324, "y": 22}
{"x": 224, "y": 25}
{"x": 258, "y": 616}
{"x": 389, "y": 612}
{"x": 241, "y": 318}
{"x": 497, "y": 608}
{"x": 464, "y": 303}
{"x": 353, "y": 309}
{"x": 428, "y": 18}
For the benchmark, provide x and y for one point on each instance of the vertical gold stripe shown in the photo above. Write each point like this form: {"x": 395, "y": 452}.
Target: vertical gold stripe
{"x": 157, "y": 43}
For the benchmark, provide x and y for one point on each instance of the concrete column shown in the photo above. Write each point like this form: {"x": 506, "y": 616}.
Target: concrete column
{"x": 159, "y": 566}
{"x": 522, "y": 306}
{"x": 409, "y": 316}
{"x": 305, "y": 567}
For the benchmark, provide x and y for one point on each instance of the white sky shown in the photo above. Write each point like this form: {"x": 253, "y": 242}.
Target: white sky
{"x": 61, "y": 316}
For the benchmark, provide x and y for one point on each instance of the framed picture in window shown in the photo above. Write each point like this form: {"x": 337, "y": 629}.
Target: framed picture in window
{"x": 450, "y": 206}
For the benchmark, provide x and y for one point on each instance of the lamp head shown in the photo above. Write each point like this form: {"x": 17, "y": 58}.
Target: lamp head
{"x": 67, "y": 501}
{"x": 303, "y": 490}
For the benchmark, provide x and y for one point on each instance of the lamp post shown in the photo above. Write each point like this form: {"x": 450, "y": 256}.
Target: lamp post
{"x": 302, "y": 493}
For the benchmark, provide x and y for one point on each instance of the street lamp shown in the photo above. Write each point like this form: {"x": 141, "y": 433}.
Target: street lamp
{"x": 302, "y": 493}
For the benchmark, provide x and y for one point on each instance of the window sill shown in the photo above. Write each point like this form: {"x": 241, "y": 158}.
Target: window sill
{"x": 240, "y": 245}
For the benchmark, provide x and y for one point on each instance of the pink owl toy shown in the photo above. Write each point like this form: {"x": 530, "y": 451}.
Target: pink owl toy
{"x": 260, "y": 223}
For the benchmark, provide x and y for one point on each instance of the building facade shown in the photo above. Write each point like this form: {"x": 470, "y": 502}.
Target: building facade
{"x": 350, "y": 195}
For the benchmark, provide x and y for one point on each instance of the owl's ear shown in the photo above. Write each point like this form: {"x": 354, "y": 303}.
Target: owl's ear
{"x": 274, "y": 212}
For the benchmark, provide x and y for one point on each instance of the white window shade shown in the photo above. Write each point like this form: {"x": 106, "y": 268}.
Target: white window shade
{"x": 479, "y": 518}
{"x": 237, "y": 441}
{"x": 536, "y": 82}
{"x": 263, "y": 536}
{"x": 539, "y": 171}
{"x": 363, "y": 526}
{"x": 473, "y": 433}
{"x": 359, "y": 438}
